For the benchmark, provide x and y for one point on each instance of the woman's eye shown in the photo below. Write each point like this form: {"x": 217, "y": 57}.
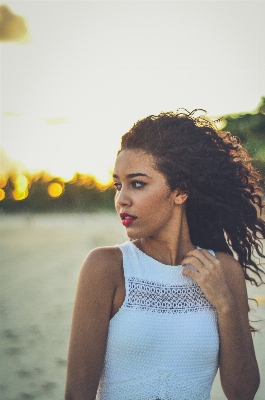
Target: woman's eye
{"x": 138, "y": 185}
{"x": 135, "y": 185}
{"x": 117, "y": 186}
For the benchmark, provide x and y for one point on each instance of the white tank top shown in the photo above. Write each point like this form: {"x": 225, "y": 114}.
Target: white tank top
{"x": 163, "y": 342}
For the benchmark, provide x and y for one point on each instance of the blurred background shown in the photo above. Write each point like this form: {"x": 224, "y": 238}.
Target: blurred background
{"x": 75, "y": 76}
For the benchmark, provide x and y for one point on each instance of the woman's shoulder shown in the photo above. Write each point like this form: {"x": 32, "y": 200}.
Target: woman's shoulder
{"x": 105, "y": 253}
{"x": 103, "y": 262}
{"x": 233, "y": 272}
{"x": 229, "y": 263}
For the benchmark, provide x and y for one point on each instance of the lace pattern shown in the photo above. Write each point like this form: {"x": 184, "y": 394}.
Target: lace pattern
{"x": 161, "y": 386}
{"x": 162, "y": 298}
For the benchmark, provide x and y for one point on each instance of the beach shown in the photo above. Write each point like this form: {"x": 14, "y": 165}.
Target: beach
{"x": 41, "y": 257}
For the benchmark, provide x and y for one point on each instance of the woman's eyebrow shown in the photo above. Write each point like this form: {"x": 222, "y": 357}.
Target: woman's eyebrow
{"x": 132, "y": 175}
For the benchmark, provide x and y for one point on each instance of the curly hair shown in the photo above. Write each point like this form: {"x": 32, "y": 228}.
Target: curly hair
{"x": 224, "y": 205}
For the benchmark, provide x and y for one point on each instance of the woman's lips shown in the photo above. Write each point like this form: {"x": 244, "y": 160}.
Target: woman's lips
{"x": 127, "y": 219}
{"x": 127, "y": 222}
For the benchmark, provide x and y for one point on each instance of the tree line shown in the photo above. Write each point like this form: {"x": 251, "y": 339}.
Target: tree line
{"x": 84, "y": 194}
{"x": 81, "y": 194}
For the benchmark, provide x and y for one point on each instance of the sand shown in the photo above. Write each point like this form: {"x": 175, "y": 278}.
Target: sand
{"x": 40, "y": 260}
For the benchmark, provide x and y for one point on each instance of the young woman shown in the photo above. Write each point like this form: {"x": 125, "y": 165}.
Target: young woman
{"x": 155, "y": 317}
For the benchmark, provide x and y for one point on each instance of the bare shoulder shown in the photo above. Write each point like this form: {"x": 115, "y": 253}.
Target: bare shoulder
{"x": 109, "y": 253}
{"x": 104, "y": 261}
{"x": 234, "y": 274}
{"x": 99, "y": 277}
{"x": 229, "y": 264}
{"x": 105, "y": 257}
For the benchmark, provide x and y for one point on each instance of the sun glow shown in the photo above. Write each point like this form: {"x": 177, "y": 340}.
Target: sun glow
{"x": 65, "y": 108}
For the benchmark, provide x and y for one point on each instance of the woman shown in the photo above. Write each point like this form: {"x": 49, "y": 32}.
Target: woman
{"x": 155, "y": 317}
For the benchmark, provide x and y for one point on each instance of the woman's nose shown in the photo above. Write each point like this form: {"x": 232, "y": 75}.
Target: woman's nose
{"x": 122, "y": 198}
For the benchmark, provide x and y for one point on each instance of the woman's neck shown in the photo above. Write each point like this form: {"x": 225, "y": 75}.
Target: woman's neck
{"x": 170, "y": 247}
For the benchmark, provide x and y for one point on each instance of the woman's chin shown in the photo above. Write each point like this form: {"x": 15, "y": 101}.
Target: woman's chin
{"x": 133, "y": 235}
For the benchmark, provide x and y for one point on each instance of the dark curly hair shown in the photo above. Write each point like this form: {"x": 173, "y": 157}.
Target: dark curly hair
{"x": 224, "y": 205}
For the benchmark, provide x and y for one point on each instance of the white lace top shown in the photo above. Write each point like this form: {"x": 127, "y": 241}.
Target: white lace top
{"x": 163, "y": 342}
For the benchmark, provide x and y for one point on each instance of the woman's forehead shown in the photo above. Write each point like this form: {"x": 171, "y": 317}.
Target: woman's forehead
{"x": 134, "y": 161}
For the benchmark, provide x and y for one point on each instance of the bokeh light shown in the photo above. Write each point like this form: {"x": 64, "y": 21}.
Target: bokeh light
{"x": 55, "y": 189}
{"x": 21, "y": 183}
{"x": 2, "y": 182}
{"x": 20, "y": 195}
{"x": 2, "y": 194}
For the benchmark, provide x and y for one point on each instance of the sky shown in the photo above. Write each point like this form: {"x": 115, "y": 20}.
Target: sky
{"x": 87, "y": 70}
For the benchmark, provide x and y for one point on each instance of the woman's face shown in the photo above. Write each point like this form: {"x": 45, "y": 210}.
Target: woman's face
{"x": 143, "y": 199}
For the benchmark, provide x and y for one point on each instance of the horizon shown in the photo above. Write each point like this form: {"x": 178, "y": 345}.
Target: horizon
{"x": 69, "y": 92}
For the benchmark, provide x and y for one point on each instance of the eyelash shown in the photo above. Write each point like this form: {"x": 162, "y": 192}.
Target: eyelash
{"x": 117, "y": 185}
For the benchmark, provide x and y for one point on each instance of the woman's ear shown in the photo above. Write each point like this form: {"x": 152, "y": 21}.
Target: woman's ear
{"x": 180, "y": 197}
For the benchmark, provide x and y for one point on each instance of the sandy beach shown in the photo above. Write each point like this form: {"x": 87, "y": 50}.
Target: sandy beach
{"x": 40, "y": 260}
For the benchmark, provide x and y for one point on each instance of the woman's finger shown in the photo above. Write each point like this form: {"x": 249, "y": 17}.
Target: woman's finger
{"x": 193, "y": 261}
{"x": 207, "y": 254}
{"x": 206, "y": 258}
{"x": 191, "y": 273}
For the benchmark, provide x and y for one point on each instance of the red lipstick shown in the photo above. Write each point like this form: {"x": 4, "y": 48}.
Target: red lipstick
{"x": 126, "y": 218}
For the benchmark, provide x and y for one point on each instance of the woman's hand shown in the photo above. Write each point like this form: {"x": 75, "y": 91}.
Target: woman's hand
{"x": 223, "y": 284}
{"x": 210, "y": 277}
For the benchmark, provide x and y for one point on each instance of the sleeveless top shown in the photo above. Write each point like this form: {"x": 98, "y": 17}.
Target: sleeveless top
{"x": 163, "y": 342}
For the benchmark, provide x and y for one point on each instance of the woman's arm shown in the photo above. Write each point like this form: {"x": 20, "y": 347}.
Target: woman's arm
{"x": 222, "y": 281}
{"x": 91, "y": 316}
{"x": 238, "y": 366}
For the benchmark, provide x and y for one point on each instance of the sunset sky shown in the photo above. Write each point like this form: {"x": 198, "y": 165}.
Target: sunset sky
{"x": 87, "y": 70}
